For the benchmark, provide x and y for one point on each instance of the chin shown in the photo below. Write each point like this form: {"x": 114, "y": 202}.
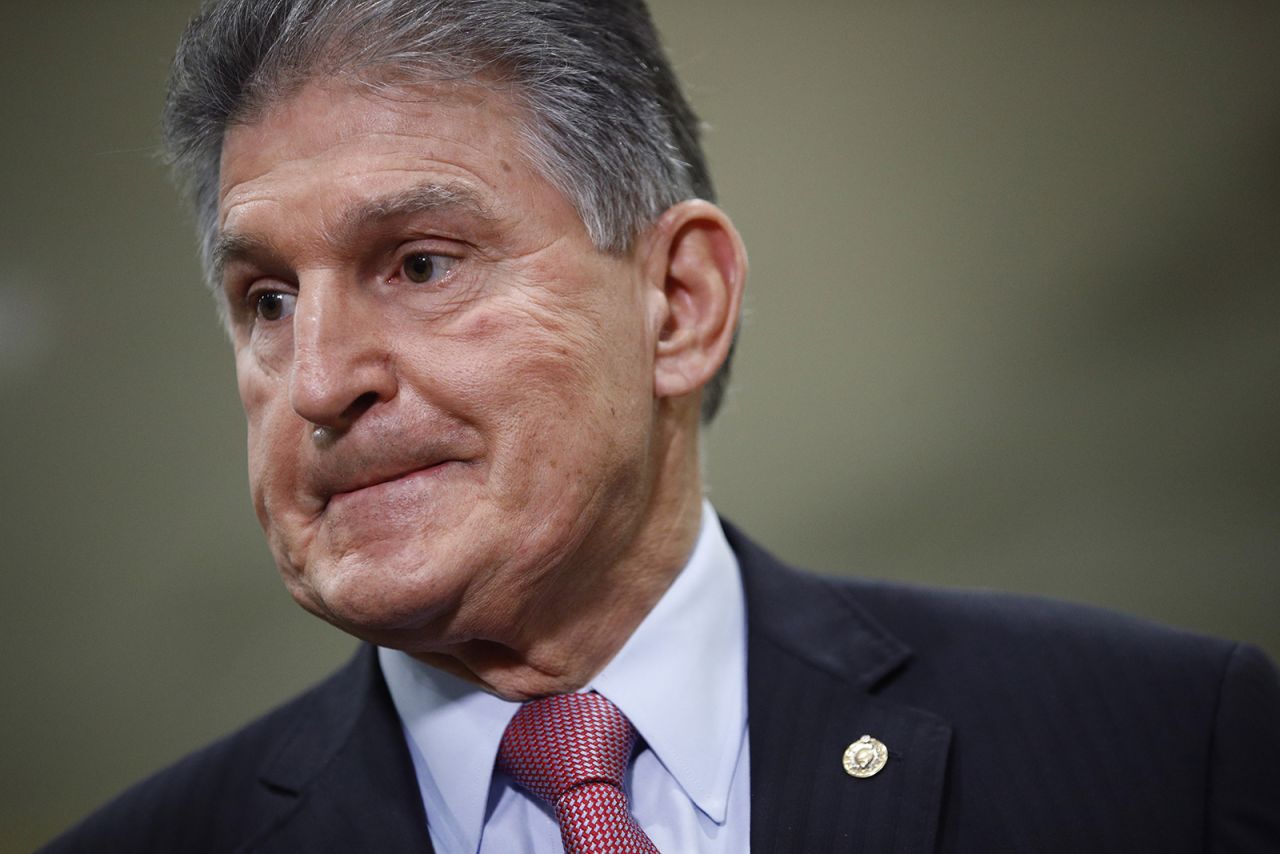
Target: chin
{"x": 377, "y": 596}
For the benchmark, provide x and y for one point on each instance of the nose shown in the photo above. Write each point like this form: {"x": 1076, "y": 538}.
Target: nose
{"x": 341, "y": 366}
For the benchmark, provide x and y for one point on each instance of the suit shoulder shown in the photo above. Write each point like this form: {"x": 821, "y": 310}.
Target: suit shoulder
{"x": 1004, "y": 658}
{"x": 972, "y": 633}
{"x": 213, "y": 799}
{"x": 940, "y": 619}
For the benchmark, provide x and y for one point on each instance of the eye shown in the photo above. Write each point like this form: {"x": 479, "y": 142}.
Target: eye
{"x": 274, "y": 305}
{"x": 422, "y": 268}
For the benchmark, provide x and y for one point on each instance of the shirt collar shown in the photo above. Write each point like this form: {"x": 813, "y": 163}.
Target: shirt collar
{"x": 680, "y": 678}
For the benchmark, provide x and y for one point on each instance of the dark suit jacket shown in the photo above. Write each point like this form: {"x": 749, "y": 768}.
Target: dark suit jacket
{"x": 1013, "y": 725}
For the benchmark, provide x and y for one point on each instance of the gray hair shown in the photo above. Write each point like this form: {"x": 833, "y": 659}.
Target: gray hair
{"x": 609, "y": 126}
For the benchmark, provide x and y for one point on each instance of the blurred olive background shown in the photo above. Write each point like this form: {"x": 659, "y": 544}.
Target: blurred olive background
{"x": 1014, "y": 322}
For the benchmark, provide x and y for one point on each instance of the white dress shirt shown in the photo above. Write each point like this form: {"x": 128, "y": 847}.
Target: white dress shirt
{"x": 681, "y": 680}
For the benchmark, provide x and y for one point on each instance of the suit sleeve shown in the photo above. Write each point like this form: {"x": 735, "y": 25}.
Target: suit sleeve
{"x": 1244, "y": 783}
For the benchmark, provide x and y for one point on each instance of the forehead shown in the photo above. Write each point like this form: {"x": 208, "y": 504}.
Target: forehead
{"x": 344, "y": 139}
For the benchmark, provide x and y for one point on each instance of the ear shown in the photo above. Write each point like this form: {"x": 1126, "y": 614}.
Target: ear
{"x": 697, "y": 267}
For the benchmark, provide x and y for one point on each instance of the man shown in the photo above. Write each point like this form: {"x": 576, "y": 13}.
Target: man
{"x": 481, "y": 301}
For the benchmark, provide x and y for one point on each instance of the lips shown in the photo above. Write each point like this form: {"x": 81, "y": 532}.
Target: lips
{"x": 374, "y": 486}
{"x": 339, "y": 478}
{"x": 380, "y": 457}
{"x": 387, "y": 483}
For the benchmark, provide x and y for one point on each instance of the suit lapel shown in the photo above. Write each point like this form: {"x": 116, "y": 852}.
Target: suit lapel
{"x": 344, "y": 780}
{"x": 817, "y": 666}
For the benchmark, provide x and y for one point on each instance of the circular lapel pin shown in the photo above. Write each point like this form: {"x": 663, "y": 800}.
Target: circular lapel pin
{"x": 865, "y": 757}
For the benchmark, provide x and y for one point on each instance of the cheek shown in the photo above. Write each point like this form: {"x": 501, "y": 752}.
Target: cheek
{"x": 269, "y": 422}
{"x": 506, "y": 361}
{"x": 574, "y": 406}
{"x": 585, "y": 343}
{"x": 546, "y": 376}
{"x": 253, "y": 383}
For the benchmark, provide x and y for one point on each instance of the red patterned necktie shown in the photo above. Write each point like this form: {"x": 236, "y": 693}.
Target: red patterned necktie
{"x": 571, "y": 751}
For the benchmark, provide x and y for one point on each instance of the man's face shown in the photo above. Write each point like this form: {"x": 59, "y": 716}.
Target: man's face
{"x": 398, "y": 275}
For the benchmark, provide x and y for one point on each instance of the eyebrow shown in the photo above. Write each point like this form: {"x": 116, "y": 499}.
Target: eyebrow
{"x": 414, "y": 201}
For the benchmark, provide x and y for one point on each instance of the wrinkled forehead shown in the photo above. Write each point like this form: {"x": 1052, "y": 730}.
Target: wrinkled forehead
{"x": 331, "y": 119}
{"x": 335, "y": 161}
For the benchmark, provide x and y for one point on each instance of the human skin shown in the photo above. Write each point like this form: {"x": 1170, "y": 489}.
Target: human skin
{"x": 507, "y": 477}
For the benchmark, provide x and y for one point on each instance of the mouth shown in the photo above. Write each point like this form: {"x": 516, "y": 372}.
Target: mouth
{"x": 391, "y": 486}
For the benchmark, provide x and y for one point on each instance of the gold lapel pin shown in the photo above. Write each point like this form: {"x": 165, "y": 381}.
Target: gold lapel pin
{"x": 865, "y": 757}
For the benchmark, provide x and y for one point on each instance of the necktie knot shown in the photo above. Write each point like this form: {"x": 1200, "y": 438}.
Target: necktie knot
{"x": 558, "y": 743}
{"x": 571, "y": 751}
